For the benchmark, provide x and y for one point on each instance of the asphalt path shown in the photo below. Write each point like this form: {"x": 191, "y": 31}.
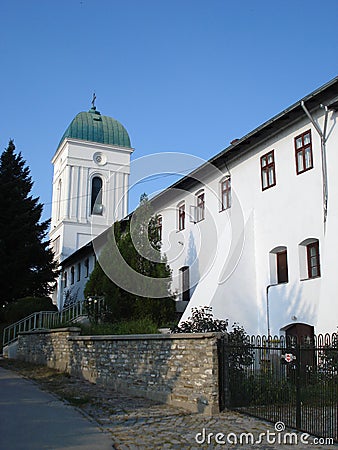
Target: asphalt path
{"x": 31, "y": 419}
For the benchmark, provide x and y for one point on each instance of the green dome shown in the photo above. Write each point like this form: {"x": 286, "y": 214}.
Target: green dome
{"x": 91, "y": 126}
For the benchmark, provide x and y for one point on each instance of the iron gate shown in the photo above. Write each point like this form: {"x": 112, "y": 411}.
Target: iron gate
{"x": 285, "y": 379}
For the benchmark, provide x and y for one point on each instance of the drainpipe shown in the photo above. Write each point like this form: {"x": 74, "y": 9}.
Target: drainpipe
{"x": 323, "y": 139}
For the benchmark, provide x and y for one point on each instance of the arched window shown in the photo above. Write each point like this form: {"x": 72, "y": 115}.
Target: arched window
{"x": 96, "y": 196}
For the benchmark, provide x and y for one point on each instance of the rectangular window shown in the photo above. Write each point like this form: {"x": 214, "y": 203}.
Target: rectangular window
{"x": 268, "y": 173}
{"x": 226, "y": 193}
{"x": 303, "y": 149}
{"x": 159, "y": 227}
{"x": 200, "y": 208}
{"x": 86, "y": 263}
{"x": 282, "y": 267}
{"x": 72, "y": 275}
{"x": 181, "y": 217}
{"x": 65, "y": 279}
{"x": 313, "y": 261}
{"x": 79, "y": 272}
{"x": 185, "y": 283}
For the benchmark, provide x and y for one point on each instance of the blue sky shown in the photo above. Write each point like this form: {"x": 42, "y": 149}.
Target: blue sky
{"x": 181, "y": 75}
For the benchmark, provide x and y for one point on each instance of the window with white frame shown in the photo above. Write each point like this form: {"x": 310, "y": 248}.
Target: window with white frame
{"x": 303, "y": 149}
{"x": 268, "y": 172}
{"x": 200, "y": 206}
{"x": 313, "y": 260}
{"x": 72, "y": 275}
{"x": 181, "y": 216}
{"x": 309, "y": 259}
{"x": 225, "y": 188}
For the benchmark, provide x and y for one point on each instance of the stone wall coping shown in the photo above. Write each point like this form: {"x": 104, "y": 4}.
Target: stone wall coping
{"x": 140, "y": 337}
{"x": 53, "y": 330}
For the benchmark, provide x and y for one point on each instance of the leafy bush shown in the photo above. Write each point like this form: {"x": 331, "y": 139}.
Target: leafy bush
{"x": 201, "y": 321}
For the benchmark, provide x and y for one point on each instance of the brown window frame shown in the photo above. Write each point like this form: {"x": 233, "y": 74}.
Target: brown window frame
{"x": 200, "y": 207}
{"x": 302, "y": 150}
{"x": 282, "y": 267}
{"x": 265, "y": 169}
{"x": 181, "y": 217}
{"x": 316, "y": 256}
{"x": 226, "y": 193}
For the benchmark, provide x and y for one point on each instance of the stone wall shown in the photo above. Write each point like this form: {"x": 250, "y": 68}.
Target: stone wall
{"x": 178, "y": 369}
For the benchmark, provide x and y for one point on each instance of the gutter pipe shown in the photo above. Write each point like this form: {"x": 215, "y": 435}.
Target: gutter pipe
{"x": 323, "y": 139}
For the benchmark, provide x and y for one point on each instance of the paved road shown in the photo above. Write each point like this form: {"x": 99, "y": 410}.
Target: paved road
{"x": 31, "y": 419}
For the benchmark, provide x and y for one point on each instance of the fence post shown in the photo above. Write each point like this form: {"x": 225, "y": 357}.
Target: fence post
{"x": 298, "y": 388}
{"x": 223, "y": 373}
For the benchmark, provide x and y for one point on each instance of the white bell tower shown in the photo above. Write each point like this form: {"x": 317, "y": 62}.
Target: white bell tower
{"x": 90, "y": 183}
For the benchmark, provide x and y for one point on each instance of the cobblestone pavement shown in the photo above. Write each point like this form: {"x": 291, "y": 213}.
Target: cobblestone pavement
{"x": 137, "y": 423}
{"x": 140, "y": 424}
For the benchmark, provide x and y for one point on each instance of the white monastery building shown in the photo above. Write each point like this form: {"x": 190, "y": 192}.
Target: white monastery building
{"x": 252, "y": 232}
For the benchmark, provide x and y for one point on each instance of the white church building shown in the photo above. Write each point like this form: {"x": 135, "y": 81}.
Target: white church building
{"x": 252, "y": 232}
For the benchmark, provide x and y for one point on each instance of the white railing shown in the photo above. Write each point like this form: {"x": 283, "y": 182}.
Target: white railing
{"x": 43, "y": 320}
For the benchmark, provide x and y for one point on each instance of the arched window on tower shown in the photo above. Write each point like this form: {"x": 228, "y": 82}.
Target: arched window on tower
{"x": 96, "y": 197}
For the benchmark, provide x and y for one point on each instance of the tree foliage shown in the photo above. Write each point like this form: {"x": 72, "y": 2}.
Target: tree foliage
{"x": 121, "y": 304}
{"x": 27, "y": 266}
{"x": 23, "y": 307}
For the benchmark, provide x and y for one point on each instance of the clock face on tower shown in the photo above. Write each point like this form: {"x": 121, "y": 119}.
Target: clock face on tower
{"x": 100, "y": 158}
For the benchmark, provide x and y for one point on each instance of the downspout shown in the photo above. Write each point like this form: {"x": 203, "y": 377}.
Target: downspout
{"x": 323, "y": 139}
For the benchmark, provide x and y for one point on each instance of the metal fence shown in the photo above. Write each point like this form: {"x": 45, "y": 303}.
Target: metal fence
{"x": 285, "y": 379}
{"x": 43, "y": 320}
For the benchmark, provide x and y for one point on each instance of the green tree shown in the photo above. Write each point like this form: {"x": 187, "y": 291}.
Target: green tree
{"x": 27, "y": 265}
{"x": 137, "y": 249}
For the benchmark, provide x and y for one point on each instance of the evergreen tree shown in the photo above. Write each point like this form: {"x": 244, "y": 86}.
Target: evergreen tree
{"x": 27, "y": 265}
{"x": 138, "y": 251}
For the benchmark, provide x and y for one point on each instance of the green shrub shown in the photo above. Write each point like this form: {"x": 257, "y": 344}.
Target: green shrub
{"x": 140, "y": 326}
